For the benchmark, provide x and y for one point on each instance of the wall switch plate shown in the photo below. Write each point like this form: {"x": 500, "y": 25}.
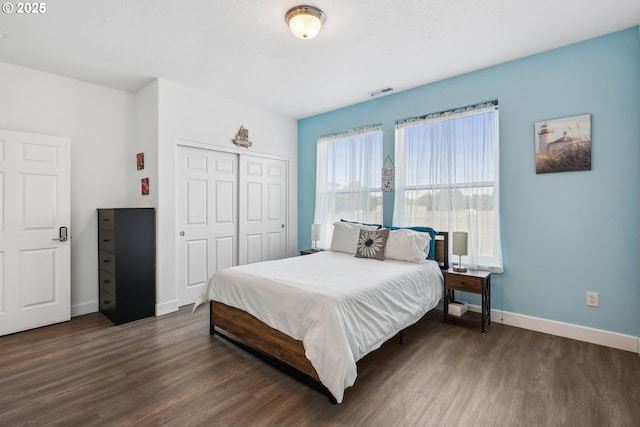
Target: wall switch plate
{"x": 592, "y": 299}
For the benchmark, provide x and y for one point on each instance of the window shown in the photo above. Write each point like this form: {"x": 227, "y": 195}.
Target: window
{"x": 348, "y": 179}
{"x": 447, "y": 178}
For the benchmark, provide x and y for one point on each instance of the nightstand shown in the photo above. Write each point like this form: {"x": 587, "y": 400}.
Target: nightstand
{"x": 472, "y": 281}
{"x": 310, "y": 251}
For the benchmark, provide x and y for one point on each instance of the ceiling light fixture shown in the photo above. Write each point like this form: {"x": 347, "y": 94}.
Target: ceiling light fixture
{"x": 305, "y": 21}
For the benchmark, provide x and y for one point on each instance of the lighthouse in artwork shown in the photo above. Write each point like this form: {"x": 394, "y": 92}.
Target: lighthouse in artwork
{"x": 544, "y": 138}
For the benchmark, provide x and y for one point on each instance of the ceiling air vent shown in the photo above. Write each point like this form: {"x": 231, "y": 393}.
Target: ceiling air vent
{"x": 381, "y": 91}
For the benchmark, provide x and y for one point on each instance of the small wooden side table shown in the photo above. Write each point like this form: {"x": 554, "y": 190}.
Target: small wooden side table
{"x": 473, "y": 281}
{"x": 310, "y": 251}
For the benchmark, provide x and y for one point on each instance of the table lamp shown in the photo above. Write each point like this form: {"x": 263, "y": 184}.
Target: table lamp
{"x": 315, "y": 236}
{"x": 459, "y": 248}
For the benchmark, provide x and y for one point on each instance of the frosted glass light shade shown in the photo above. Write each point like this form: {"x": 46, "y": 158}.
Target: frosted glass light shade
{"x": 305, "y": 21}
{"x": 459, "y": 243}
{"x": 315, "y": 231}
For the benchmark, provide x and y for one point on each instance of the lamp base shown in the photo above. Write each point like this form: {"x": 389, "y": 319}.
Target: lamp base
{"x": 460, "y": 268}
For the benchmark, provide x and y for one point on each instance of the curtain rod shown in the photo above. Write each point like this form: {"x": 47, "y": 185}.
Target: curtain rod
{"x": 352, "y": 131}
{"x": 468, "y": 108}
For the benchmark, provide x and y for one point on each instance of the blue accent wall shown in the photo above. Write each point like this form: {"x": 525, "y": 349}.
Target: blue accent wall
{"x": 562, "y": 233}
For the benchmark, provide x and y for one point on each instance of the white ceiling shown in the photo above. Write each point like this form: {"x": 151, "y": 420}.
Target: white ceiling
{"x": 243, "y": 50}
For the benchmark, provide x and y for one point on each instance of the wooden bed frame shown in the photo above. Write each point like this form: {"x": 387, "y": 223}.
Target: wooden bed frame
{"x": 275, "y": 347}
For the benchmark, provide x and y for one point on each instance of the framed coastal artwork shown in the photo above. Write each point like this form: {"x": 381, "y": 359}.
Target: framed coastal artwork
{"x": 564, "y": 144}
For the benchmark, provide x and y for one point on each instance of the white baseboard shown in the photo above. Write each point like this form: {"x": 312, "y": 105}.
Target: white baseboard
{"x": 167, "y": 307}
{"x": 566, "y": 330}
{"x": 84, "y": 308}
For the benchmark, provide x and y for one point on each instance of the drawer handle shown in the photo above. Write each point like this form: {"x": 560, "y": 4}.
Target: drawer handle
{"x": 106, "y": 240}
{"x": 107, "y": 260}
{"x": 106, "y": 281}
{"x": 106, "y": 302}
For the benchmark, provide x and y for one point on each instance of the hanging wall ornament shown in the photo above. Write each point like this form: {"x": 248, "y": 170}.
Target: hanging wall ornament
{"x": 242, "y": 138}
{"x": 388, "y": 175}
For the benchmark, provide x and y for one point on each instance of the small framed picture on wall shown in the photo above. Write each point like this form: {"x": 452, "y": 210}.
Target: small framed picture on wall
{"x": 140, "y": 161}
{"x": 144, "y": 186}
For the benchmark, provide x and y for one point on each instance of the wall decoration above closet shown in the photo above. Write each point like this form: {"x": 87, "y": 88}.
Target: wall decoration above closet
{"x": 242, "y": 138}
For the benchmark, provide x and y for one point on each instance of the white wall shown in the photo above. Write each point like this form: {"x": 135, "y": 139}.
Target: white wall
{"x": 145, "y": 141}
{"x": 107, "y": 128}
{"x": 205, "y": 119}
{"x": 100, "y": 123}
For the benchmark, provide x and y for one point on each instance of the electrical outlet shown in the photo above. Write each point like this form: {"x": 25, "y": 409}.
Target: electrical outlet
{"x": 592, "y": 299}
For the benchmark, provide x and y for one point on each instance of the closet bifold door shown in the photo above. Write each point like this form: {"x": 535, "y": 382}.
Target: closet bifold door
{"x": 262, "y": 209}
{"x": 230, "y": 209}
{"x": 206, "y": 218}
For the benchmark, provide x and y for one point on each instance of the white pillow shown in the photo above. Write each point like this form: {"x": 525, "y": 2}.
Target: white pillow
{"x": 345, "y": 236}
{"x": 407, "y": 245}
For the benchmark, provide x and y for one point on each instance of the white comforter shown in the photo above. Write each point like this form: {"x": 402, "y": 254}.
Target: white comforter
{"x": 341, "y": 307}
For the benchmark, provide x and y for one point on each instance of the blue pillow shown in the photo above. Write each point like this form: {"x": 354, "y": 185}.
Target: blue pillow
{"x": 432, "y": 233}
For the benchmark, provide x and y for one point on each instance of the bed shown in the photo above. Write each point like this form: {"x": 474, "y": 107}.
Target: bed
{"x": 315, "y": 316}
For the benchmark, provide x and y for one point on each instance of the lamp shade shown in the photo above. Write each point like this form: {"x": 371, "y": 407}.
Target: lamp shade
{"x": 315, "y": 231}
{"x": 459, "y": 243}
{"x": 305, "y": 21}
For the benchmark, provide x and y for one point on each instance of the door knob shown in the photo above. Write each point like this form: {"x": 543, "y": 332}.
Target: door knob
{"x": 182, "y": 233}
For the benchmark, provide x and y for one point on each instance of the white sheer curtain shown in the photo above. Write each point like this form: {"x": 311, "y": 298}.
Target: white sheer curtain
{"x": 348, "y": 179}
{"x": 447, "y": 177}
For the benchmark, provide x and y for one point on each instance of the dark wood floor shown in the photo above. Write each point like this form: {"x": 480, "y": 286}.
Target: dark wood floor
{"x": 169, "y": 371}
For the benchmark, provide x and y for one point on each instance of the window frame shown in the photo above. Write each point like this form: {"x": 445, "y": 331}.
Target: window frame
{"x": 486, "y": 185}
{"x": 371, "y": 186}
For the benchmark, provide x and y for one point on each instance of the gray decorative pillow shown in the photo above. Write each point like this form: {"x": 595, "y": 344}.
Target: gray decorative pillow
{"x": 371, "y": 244}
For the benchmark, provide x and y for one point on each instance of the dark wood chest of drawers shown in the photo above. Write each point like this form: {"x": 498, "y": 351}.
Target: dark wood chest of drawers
{"x": 126, "y": 260}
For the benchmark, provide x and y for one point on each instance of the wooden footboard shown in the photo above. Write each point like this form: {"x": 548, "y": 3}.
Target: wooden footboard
{"x": 259, "y": 335}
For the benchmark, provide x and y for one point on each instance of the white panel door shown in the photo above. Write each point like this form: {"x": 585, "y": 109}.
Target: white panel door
{"x": 35, "y": 272}
{"x": 262, "y": 209}
{"x": 206, "y": 218}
